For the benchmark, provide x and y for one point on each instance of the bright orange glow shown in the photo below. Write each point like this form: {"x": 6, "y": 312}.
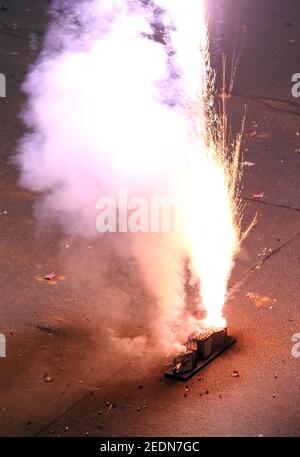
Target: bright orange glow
{"x": 212, "y": 228}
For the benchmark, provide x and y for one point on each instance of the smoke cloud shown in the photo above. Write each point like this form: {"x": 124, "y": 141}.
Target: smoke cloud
{"x": 113, "y": 103}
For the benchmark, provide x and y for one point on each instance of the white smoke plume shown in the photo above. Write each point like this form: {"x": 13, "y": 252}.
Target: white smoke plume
{"x": 113, "y": 103}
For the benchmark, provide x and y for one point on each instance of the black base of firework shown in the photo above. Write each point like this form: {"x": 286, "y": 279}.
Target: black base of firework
{"x": 201, "y": 363}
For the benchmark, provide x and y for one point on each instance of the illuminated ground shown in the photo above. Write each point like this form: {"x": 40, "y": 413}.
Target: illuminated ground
{"x": 56, "y": 332}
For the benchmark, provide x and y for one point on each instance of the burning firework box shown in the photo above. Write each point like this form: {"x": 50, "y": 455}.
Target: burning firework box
{"x": 184, "y": 362}
{"x": 201, "y": 350}
{"x": 204, "y": 342}
{"x": 219, "y": 337}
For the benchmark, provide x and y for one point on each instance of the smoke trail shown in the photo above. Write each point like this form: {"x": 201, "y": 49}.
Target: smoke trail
{"x": 118, "y": 100}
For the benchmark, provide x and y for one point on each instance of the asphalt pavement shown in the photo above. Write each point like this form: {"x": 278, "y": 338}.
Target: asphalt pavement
{"x": 60, "y": 377}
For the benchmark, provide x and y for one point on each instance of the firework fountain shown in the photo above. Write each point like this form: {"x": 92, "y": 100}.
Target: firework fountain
{"x": 122, "y": 96}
